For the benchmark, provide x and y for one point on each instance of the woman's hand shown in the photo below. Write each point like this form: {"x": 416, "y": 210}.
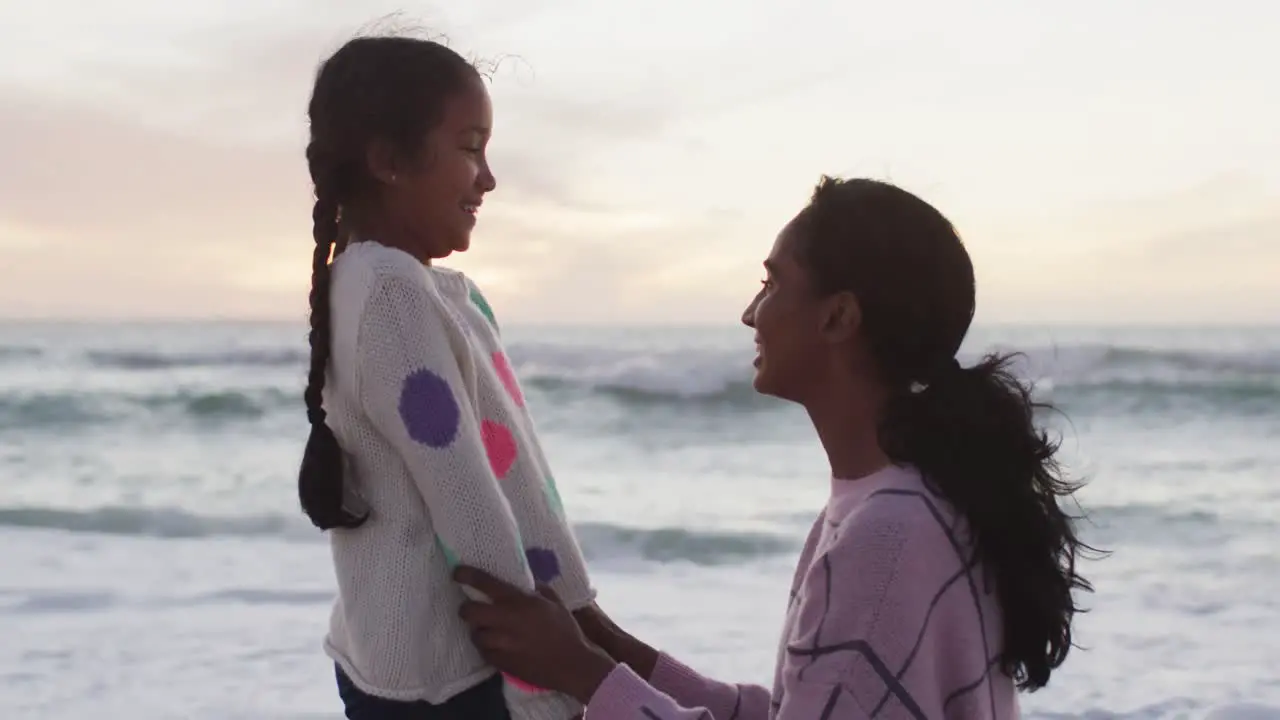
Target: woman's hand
{"x": 532, "y": 637}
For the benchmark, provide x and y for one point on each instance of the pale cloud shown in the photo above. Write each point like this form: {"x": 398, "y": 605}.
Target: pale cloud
{"x": 649, "y": 150}
{"x": 77, "y": 170}
{"x": 205, "y": 201}
{"x": 1209, "y": 253}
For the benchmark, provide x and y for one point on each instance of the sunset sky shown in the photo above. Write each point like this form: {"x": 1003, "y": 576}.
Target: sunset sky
{"x": 1105, "y": 160}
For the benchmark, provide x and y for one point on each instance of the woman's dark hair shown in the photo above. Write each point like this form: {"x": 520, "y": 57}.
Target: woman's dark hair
{"x": 971, "y": 431}
{"x": 373, "y": 89}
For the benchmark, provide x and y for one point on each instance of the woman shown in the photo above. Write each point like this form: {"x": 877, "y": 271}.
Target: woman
{"x": 938, "y": 579}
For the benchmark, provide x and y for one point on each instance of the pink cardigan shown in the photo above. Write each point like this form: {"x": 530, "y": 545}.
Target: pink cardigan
{"x": 889, "y": 618}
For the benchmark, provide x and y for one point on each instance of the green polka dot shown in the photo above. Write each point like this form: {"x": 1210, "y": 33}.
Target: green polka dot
{"x": 449, "y": 558}
{"x": 553, "y": 495}
{"x": 524, "y": 557}
{"x": 483, "y": 304}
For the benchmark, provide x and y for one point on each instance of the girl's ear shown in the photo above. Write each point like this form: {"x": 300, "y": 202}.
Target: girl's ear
{"x": 382, "y": 162}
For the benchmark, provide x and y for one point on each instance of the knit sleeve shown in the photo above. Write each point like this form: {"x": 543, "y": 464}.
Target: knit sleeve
{"x": 412, "y": 388}
{"x": 693, "y": 689}
{"x": 862, "y": 642}
{"x": 625, "y": 696}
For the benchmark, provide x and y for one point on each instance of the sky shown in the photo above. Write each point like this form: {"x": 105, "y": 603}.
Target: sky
{"x": 1106, "y": 161}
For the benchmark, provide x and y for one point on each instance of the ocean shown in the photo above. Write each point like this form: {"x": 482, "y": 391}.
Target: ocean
{"x": 156, "y": 565}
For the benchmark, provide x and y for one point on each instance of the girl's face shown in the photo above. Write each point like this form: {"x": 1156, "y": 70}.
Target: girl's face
{"x": 436, "y": 198}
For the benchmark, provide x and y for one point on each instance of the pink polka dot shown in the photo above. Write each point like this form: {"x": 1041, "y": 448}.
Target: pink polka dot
{"x": 522, "y": 685}
{"x": 508, "y": 377}
{"x": 499, "y": 445}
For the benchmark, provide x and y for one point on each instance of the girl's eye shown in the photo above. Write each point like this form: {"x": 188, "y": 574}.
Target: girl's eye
{"x": 767, "y": 283}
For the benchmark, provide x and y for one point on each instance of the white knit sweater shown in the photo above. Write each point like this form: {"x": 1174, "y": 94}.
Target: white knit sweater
{"x": 443, "y": 451}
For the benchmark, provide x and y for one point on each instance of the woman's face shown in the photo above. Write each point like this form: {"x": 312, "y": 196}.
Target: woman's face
{"x": 790, "y": 319}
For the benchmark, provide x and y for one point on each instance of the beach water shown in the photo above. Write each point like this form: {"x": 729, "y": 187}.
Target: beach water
{"x": 155, "y": 563}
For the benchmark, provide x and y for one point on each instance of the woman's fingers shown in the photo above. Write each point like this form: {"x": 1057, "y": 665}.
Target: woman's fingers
{"x": 488, "y": 641}
{"x": 485, "y": 583}
{"x": 482, "y": 614}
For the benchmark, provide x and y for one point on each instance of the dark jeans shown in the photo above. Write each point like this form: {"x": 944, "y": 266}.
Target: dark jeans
{"x": 482, "y": 702}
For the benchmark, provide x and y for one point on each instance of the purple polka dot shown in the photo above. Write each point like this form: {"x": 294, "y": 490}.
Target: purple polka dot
{"x": 543, "y": 563}
{"x": 428, "y": 409}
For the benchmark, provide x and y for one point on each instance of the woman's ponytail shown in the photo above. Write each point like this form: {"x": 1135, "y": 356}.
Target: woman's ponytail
{"x": 972, "y": 433}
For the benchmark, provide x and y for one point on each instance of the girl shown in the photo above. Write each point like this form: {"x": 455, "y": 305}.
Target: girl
{"x": 422, "y": 453}
{"x": 938, "y": 579}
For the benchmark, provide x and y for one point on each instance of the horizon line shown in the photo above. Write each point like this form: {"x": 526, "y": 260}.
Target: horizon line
{"x": 639, "y": 324}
